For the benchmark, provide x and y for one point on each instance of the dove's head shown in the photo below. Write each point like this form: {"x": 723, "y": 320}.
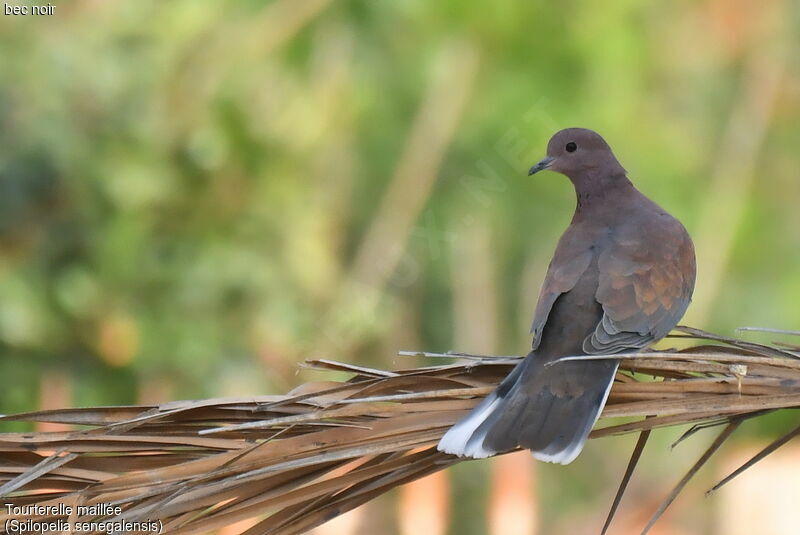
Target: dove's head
{"x": 579, "y": 153}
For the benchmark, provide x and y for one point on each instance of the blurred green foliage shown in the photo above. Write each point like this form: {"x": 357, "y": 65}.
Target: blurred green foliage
{"x": 185, "y": 186}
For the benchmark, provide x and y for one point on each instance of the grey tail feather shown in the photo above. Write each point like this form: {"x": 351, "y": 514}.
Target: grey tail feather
{"x": 554, "y": 429}
{"x": 565, "y": 448}
{"x": 467, "y": 437}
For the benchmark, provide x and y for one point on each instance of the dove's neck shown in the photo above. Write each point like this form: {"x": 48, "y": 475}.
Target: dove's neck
{"x": 595, "y": 189}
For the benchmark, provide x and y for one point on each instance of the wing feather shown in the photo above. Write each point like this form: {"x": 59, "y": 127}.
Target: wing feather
{"x": 563, "y": 274}
{"x": 644, "y": 287}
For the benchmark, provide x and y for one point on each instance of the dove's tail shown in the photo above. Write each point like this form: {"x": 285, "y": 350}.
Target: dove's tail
{"x": 549, "y": 410}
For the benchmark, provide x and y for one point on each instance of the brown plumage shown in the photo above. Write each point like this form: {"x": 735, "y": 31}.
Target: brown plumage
{"x": 621, "y": 277}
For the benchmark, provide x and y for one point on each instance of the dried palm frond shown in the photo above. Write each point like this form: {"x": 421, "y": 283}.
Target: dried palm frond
{"x": 298, "y": 460}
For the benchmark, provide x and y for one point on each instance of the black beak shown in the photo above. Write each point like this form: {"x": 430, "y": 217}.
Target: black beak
{"x": 544, "y": 164}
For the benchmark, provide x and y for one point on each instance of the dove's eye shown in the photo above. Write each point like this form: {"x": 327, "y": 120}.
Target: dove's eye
{"x": 571, "y": 146}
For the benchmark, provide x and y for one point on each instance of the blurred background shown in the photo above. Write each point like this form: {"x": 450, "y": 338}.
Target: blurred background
{"x": 196, "y": 196}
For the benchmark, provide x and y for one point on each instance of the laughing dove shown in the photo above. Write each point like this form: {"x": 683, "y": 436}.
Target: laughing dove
{"x": 621, "y": 277}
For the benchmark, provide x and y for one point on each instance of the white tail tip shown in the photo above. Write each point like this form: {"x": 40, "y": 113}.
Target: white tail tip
{"x": 462, "y": 440}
